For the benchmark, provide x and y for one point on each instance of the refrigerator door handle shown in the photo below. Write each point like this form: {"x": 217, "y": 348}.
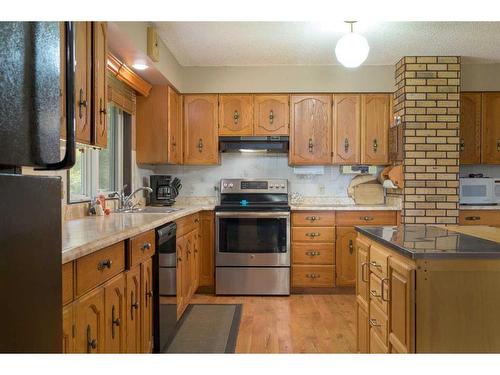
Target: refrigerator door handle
{"x": 69, "y": 158}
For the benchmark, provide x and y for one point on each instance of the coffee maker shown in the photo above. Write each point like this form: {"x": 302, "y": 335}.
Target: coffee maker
{"x": 165, "y": 190}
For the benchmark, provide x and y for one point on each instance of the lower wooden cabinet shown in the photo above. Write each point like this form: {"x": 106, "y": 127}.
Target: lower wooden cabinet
{"x": 479, "y": 217}
{"x": 206, "y": 248}
{"x": 345, "y": 256}
{"x": 68, "y": 340}
{"x": 147, "y": 306}
{"x": 89, "y": 337}
{"x": 133, "y": 313}
{"x": 362, "y": 339}
{"x": 114, "y": 312}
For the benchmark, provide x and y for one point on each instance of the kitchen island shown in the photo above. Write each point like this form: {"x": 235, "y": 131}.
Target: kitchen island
{"x": 427, "y": 289}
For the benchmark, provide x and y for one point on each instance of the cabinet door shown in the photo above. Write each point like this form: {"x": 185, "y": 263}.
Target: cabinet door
{"x": 206, "y": 248}
{"x": 491, "y": 127}
{"x": 147, "y": 306}
{"x": 362, "y": 272}
{"x": 271, "y": 114}
{"x": 310, "y": 129}
{"x": 188, "y": 268}
{"x": 470, "y": 128}
{"x": 90, "y": 322}
{"x": 346, "y": 128}
{"x": 174, "y": 139}
{"x": 195, "y": 277}
{"x": 133, "y": 310}
{"x": 83, "y": 75}
{"x": 180, "y": 272}
{"x": 68, "y": 344}
{"x": 346, "y": 256}
{"x": 100, "y": 99}
{"x": 363, "y": 329}
{"x": 114, "y": 312}
{"x": 401, "y": 306}
{"x": 235, "y": 115}
{"x": 375, "y": 122}
{"x": 200, "y": 129}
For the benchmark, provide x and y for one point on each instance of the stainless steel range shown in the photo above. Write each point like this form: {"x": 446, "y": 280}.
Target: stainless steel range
{"x": 253, "y": 237}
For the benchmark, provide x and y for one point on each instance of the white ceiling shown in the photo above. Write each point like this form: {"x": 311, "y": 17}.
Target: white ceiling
{"x": 305, "y": 43}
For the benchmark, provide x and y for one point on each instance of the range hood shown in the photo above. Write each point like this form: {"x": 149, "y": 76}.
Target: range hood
{"x": 270, "y": 144}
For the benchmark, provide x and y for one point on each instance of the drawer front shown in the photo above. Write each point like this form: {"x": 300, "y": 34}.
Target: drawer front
{"x": 142, "y": 247}
{"x": 313, "y": 276}
{"x": 313, "y": 234}
{"x": 320, "y": 253}
{"x": 378, "y": 261}
{"x": 377, "y": 346}
{"x": 67, "y": 283}
{"x": 313, "y": 219}
{"x": 186, "y": 224}
{"x": 376, "y": 295}
{"x": 350, "y": 218}
{"x": 378, "y": 322}
{"x": 479, "y": 217}
{"x": 94, "y": 269}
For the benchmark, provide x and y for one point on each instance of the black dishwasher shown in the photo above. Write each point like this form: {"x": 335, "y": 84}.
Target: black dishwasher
{"x": 165, "y": 303}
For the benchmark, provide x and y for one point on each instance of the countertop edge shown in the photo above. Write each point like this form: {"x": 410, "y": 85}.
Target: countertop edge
{"x": 345, "y": 208}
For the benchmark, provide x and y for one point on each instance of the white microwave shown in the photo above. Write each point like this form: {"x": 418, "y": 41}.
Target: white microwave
{"x": 481, "y": 190}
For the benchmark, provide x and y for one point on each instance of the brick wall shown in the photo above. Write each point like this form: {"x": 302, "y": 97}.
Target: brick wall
{"x": 427, "y": 100}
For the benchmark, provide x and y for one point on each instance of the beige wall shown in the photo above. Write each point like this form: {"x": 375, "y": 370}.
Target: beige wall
{"x": 485, "y": 77}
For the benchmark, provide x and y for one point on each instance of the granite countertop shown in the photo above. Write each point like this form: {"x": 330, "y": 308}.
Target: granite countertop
{"x": 480, "y": 207}
{"x": 429, "y": 241}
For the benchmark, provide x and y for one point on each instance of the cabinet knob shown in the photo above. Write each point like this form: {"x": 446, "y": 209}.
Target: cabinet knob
{"x": 104, "y": 264}
{"x": 375, "y": 145}
{"x": 498, "y": 144}
{"x": 146, "y": 246}
{"x": 313, "y": 253}
{"x": 200, "y": 145}
{"x": 313, "y": 234}
{"x": 311, "y": 145}
{"x": 366, "y": 218}
{"x": 375, "y": 264}
{"x": 346, "y": 145}
{"x": 373, "y": 293}
{"x": 271, "y": 117}
{"x": 462, "y": 144}
{"x": 473, "y": 218}
{"x": 82, "y": 103}
{"x": 236, "y": 117}
{"x": 312, "y": 218}
{"x": 373, "y": 323}
{"x": 351, "y": 247}
{"x": 312, "y": 276}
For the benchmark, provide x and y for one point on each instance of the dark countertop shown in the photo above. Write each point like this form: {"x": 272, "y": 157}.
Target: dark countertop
{"x": 427, "y": 241}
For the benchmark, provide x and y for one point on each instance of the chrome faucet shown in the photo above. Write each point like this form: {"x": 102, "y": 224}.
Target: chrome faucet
{"x": 125, "y": 201}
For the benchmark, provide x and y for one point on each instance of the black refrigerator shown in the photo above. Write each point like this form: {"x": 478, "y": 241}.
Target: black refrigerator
{"x": 30, "y": 206}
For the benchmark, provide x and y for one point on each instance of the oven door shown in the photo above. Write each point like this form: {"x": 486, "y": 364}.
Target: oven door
{"x": 252, "y": 239}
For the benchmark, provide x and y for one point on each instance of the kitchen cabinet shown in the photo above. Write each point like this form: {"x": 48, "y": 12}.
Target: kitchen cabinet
{"x": 235, "y": 114}
{"x": 99, "y": 89}
{"x": 200, "y": 129}
{"x": 362, "y": 249}
{"x": 133, "y": 313}
{"x": 114, "y": 315}
{"x": 470, "y": 128}
{"x": 68, "y": 330}
{"x": 147, "y": 306}
{"x": 207, "y": 232}
{"x": 479, "y": 217}
{"x": 491, "y": 128}
{"x": 181, "y": 279}
{"x": 363, "y": 336}
{"x": 310, "y": 130}
{"x": 83, "y": 79}
{"x": 345, "y": 256}
{"x": 89, "y": 336}
{"x": 375, "y": 123}
{"x": 174, "y": 120}
{"x": 346, "y": 128}
{"x": 271, "y": 115}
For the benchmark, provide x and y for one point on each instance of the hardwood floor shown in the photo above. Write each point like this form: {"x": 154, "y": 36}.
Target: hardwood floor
{"x": 295, "y": 324}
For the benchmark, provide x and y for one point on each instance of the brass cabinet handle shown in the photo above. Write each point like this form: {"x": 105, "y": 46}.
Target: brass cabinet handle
{"x": 312, "y": 218}
{"x": 374, "y": 294}
{"x": 351, "y": 247}
{"x": 375, "y": 145}
{"x": 179, "y": 259}
{"x": 373, "y": 323}
{"x": 81, "y": 103}
{"x": 375, "y": 264}
{"x": 363, "y": 272}
{"x": 146, "y": 246}
{"x": 104, "y": 264}
{"x": 91, "y": 343}
{"x": 311, "y": 145}
{"x": 271, "y": 117}
{"x": 473, "y": 218}
{"x": 462, "y": 144}
{"x": 200, "y": 145}
{"x": 498, "y": 144}
{"x": 236, "y": 116}
{"x": 312, "y": 276}
{"x": 366, "y": 218}
{"x": 313, "y": 234}
{"x": 196, "y": 221}
{"x": 313, "y": 253}
{"x": 384, "y": 298}
{"x": 114, "y": 322}
{"x": 149, "y": 294}
{"x": 102, "y": 111}
{"x": 133, "y": 306}
{"x": 346, "y": 145}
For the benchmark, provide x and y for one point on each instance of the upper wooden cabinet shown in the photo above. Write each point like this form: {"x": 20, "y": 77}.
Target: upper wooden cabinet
{"x": 235, "y": 114}
{"x": 375, "y": 122}
{"x": 200, "y": 129}
{"x": 470, "y": 128}
{"x": 310, "y": 129}
{"x": 271, "y": 114}
{"x": 491, "y": 128}
{"x": 174, "y": 152}
{"x": 83, "y": 76}
{"x": 100, "y": 98}
{"x": 346, "y": 128}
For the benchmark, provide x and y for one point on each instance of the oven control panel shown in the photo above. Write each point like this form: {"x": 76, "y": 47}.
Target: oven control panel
{"x": 277, "y": 186}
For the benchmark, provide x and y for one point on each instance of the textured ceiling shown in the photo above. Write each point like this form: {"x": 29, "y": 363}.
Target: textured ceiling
{"x": 304, "y": 43}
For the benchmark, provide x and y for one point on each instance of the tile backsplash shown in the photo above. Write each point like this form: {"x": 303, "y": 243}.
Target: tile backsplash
{"x": 488, "y": 170}
{"x": 203, "y": 180}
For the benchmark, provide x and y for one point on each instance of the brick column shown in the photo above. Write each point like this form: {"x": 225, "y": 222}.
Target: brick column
{"x": 427, "y": 100}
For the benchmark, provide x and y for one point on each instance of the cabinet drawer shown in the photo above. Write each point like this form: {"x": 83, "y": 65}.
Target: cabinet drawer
{"x": 320, "y": 253}
{"x": 313, "y": 219}
{"x": 377, "y": 346}
{"x": 142, "y": 247}
{"x": 378, "y": 322}
{"x": 315, "y": 234}
{"x": 378, "y": 261}
{"x": 351, "y": 218}
{"x": 94, "y": 269}
{"x": 186, "y": 224}
{"x": 67, "y": 283}
{"x": 479, "y": 217}
{"x": 376, "y": 295}
{"x": 313, "y": 276}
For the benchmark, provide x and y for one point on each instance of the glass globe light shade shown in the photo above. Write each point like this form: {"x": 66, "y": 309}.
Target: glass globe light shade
{"x": 352, "y": 50}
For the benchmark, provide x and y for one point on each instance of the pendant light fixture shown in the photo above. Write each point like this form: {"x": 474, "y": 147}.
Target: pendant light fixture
{"x": 352, "y": 49}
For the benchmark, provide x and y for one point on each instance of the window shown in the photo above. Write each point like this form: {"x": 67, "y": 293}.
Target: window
{"x": 99, "y": 171}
